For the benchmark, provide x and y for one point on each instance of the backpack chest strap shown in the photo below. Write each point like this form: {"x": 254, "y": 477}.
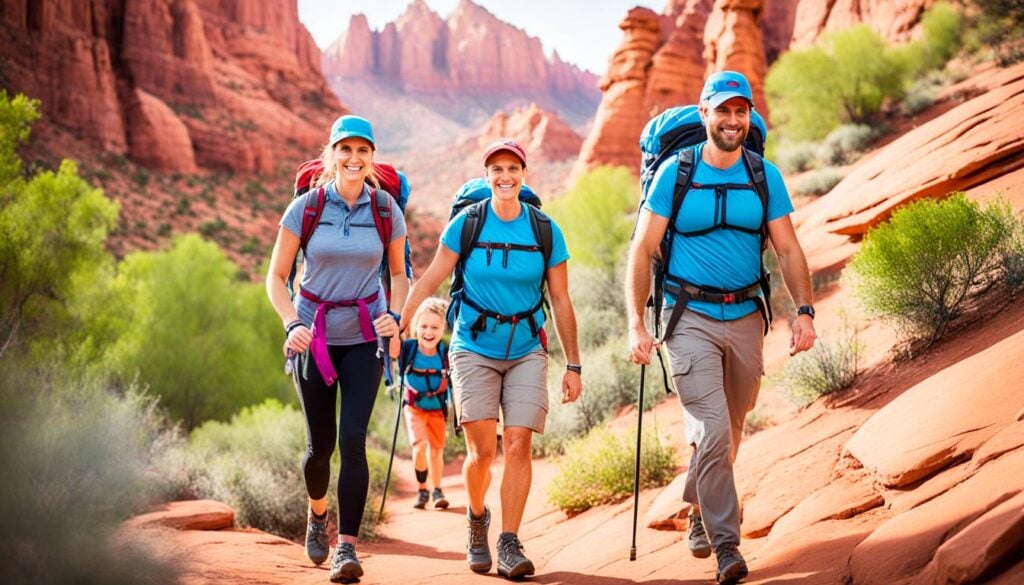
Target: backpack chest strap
{"x": 505, "y": 248}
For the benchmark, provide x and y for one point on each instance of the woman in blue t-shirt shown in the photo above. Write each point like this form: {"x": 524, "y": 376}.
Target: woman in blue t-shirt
{"x": 341, "y": 293}
{"x": 498, "y": 354}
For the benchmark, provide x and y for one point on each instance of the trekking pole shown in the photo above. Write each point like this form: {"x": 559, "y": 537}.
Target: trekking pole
{"x": 636, "y": 467}
{"x": 394, "y": 436}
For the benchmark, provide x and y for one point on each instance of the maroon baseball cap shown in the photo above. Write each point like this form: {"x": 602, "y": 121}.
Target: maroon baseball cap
{"x": 506, "y": 144}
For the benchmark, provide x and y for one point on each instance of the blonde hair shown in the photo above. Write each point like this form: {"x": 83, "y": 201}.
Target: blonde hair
{"x": 328, "y": 159}
{"x": 433, "y": 305}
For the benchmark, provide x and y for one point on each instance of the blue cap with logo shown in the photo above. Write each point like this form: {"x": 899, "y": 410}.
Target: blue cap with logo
{"x": 352, "y": 126}
{"x": 725, "y": 85}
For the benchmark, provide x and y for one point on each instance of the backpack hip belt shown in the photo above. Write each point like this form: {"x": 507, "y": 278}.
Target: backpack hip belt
{"x": 481, "y": 321}
{"x": 318, "y": 347}
{"x": 686, "y": 292}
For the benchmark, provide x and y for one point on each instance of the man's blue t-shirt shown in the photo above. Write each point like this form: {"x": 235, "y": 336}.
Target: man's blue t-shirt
{"x": 726, "y": 259}
{"x": 503, "y": 287}
{"x": 426, "y": 382}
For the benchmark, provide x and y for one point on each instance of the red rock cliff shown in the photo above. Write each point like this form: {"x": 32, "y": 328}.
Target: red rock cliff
{"x": 175, "y": 85}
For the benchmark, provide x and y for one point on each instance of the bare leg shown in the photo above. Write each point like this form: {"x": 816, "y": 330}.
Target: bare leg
{"x": 419, "y": 458}
{"x": 515, "y": 483}
{"x": 476, "y": 471}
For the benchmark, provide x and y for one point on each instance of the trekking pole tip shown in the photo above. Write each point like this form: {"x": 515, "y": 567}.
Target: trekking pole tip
{"x": 632, "y": 553}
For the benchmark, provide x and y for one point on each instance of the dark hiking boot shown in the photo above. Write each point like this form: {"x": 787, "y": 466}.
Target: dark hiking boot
{"x": 478, "y": 553}
{"x": 318, "y": 544}
{"x": 697, "y": 538}
{"x": 512, "y": 564}
{"x": 440, "y": 502}
{"x": 345, "y": 567}
{"x": 421, "y": 500}
{"x": 731, "y": 566}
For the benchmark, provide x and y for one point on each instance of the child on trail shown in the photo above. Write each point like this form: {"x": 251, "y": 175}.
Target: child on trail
{"x": 424, "y": 369}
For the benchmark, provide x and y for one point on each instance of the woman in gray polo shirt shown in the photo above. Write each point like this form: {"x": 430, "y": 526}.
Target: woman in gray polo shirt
{"x": 341, "y": 293}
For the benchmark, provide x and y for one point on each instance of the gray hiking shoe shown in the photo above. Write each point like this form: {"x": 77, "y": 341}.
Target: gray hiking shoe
{"x": 478, "y": 553}
{"x": 512, "y": 564}
{"x": 731, "y": 566}
{"x": 421, "y": 499}
{"x": 440, "y": 502}
{"x": 318, "y": 544}
{"x": 697, "y": 538}
{"x": 345, "y": 567}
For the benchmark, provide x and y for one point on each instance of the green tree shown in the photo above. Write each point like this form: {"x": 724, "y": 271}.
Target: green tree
{"x": 845, "y": 80}
{"x": 54, "y": 227}
{"x": 189, "y": 329}
{"x": 596, "y": 217}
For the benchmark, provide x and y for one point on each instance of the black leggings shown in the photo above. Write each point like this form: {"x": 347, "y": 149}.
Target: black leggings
{"x": 359, "y": 372}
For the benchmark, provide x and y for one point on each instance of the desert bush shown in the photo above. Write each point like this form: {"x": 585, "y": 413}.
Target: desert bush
{"x": 76, "y": 460}
{"x": 829, "y": 366}
{"x": 918, "y": 268}
{"x": 598, "y": 469}
{"x": 920, "y": 96}
{"x": 756, "y": 422}
{"x": 846, "y": 144}
{"x": 818, "y": 182}
{"x": 796, "y": 158}
{"x": 998, "y": 26}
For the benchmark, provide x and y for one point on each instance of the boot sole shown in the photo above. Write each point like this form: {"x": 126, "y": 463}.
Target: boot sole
{"x": 480, "y": 567}
{"x": 519, "y": 571}
{"x": 732, "y": 574}
{"x": 441, "y": 505}
{"x": 317, "y": 560}
{"x": 348, "y": 573}
{"x": 701, "y": 552}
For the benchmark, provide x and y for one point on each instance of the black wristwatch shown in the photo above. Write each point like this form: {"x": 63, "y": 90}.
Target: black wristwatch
{"x": 574, "y": 368}
{"x": 806, "y": 310}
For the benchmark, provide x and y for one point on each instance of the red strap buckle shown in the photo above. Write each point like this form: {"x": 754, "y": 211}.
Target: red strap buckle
{"x": 729, "y": 298}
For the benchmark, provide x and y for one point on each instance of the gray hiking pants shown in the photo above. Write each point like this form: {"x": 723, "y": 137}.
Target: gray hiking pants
{"x": 716, "y": 370}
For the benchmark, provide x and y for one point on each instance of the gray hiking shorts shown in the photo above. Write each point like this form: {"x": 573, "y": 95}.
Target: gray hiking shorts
{"x": 517, "y": 387}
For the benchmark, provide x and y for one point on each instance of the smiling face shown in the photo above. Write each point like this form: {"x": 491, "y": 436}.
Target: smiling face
{"x": 505, "y": 175}
{"x": 353, "y": 158}
{"x": 728, "y": 123}
{"x": 429, "y": 329}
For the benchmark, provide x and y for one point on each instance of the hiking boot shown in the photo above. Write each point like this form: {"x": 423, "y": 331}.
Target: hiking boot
{"x": 512, "y": 564}
{"x": 345, "y": 567}
{"x": 731, "y": 566}
{"x": 697, "y": 538}
{"x": 477, "y": 552}
{"x": 421, "y": 500}
{"x": 318, "y": 544}
{"x": 440, "y": 502}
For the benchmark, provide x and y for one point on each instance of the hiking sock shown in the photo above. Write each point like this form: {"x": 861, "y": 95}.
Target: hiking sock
{"x": 421, "y": 476}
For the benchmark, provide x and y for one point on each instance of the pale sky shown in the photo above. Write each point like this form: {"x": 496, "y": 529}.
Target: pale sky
{"x": 584, "y": 32}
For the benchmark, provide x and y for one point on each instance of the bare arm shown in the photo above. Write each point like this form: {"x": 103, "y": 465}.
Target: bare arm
{"x": 440, "y": 267}
{"x": 565, "y": 327}
{"x": 285, "y": 248}
{"x": 793, "y": 265}
{"x": 649, "y": 231}
{"x": 385, "y": 324}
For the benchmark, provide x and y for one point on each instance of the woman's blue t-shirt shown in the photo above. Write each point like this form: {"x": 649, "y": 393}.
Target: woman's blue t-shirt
{"x": 502, "y": 287}
{"x": 426, "y": 382}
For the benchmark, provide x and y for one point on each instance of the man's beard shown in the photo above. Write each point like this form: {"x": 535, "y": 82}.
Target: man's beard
{"x": 727, "y": 144}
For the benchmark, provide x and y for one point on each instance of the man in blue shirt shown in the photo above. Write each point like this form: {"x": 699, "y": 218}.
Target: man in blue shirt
{"x": 715, "y": 349}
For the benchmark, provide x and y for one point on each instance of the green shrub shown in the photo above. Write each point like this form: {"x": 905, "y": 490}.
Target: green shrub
{"x": 598, "y": 469}
{"x": 918, "y": 268}
{"x": 846, "y": 144}
{"x": 818, "y": 182}
{"x": 829, "y": 366}
{"x": 796, "y": 158}
{"x": 999, "y": 27}
{"x": 76, "y": 461}
{"x": 756, "y": 422}
{"x": 920, "y": 97}
{"x": 844, "y": 80}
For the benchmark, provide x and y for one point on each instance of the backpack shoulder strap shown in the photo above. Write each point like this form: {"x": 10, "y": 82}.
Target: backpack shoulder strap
{"x": 381, "y": 207}
{"x": 315, "y": 201}
{"x": 442, "y": 350}
{"x": 407, "y": 354}
{"x": 471, "y": 228}
{"x": 684, "y": 179}
{"x": 540, "y": 223}
{"x": 755, "y": 168}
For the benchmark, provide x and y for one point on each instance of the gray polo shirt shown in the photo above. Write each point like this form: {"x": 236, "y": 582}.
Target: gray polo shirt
{"x": 342, "y": 260}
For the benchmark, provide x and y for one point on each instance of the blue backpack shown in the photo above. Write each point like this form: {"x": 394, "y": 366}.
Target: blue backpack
{"x": 473, "y": 199}
{"x": 673, "y": 134}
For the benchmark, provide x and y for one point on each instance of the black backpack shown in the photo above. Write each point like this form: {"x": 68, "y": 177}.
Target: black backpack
{"x": 473, "y": 199}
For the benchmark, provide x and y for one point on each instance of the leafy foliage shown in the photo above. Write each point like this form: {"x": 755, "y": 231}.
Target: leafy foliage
{"x": 918, "y": 268}
{"x": 181, "y": 322}
{"x": 829, "y": 366}
{"x": 598, "y": 469}
{"x": 999, "y": 26}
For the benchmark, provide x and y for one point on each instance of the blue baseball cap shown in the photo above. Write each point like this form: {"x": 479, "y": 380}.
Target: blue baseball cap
{"x": 352, "y": 126}
{"x": 725, "y": 85}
